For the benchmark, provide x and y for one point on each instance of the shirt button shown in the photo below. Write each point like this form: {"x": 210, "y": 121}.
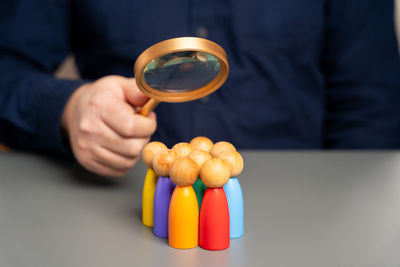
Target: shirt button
{"x": 202, "y": 32}
{"x": 205, "y": 99}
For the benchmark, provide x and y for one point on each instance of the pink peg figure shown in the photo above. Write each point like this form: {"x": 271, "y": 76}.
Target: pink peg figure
{"x": 150, "y": 181}
{"x": 214, "y": 212}
{"x": 199, "y": 157}
{"x": 163, "y": 192}
{"x": 234, "y": 193}
{"x": 183, "y": 209}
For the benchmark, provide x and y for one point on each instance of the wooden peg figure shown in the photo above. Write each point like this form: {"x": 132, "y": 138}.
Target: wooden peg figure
{"x": 183, "y": 209}
{"x": 150, "y": 181}
{"x": 199, "y": 156}
{"x": 233, "y": 192}
{"x": 164, "y": 188}
{"x": 202, "y": 143}
{"x": 221, "y": 147}
{"x": 182, "y": 149}
{"x": 214, "y": 212}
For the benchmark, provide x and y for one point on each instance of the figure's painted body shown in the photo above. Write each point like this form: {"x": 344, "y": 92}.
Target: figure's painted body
{"x": 162, "y": 198}
{"x": 149, "y": 188}
{"x": 234, "y": 195}
{"x": 183, "y": 218}
{"x": 199, "y": 189}
{"x": 214, "y": 220}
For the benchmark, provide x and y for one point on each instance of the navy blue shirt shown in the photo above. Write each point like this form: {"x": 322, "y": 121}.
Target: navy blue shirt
{"x": 303, "y": 74}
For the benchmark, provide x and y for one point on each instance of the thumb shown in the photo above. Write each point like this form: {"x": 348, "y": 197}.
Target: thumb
{"x": 132, "y": 92}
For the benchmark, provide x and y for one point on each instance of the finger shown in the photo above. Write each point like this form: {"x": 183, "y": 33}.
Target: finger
{"x": 132, "y": 148}
{"x": 132, "y": 92}
{"x": 129, "y": 148}
{"x": 120, "y": 117}
{"x": 112, "y": 160}
{"x": 146, "y": 126}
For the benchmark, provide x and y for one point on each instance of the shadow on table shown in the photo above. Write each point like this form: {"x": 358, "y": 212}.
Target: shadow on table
{"x": 79, "y": 175}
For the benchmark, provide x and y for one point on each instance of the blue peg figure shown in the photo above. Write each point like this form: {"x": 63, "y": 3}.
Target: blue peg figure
{"x": 233, "y": 192}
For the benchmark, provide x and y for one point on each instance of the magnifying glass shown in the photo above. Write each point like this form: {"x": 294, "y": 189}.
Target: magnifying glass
{"x": 180, "y": 69}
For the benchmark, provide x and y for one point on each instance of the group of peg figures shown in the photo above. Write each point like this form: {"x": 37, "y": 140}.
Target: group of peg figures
{"x": 191, "y": 193}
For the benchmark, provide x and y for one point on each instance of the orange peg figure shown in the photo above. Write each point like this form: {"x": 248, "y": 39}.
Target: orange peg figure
{"x": 199, "y": 156}
{"x": 150, "y": 181}
{"x": 221, "y": 147}
{"x": 214, "y": 212}
{"x": 202, "y": 143}
{"x": 183, "y": 209}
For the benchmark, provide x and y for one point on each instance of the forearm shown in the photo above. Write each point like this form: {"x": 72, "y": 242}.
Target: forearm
{"x": 31, "y": 104}
{"x": 35, "y": 38}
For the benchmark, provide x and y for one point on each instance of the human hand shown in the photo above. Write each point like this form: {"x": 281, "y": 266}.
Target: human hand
{"x": 105, "y": 132}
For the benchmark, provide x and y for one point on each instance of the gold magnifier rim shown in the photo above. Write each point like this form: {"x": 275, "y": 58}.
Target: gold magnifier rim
{"x": 181, "y": 44}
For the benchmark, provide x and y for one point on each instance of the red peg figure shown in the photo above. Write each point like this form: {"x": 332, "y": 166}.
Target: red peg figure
{"x": 221, "y": 147}
{"x": 214, "y": 213}
{"x": 199, "y": 156}
{"x": 162, "y": 195}
{"x": 202, "y": 143}
{"x": 183, "y": 223}
{"x": 234, "y": 194}
{"x": 182, "y": 149}
{"x": 150, "y": 181}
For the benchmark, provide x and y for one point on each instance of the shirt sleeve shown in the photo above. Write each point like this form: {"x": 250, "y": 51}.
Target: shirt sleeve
{"x": 34, "y": 41}
{"x": 362, "y": 69}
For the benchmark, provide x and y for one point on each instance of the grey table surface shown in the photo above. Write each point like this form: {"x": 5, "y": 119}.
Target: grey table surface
{"x": 301, "y": 209}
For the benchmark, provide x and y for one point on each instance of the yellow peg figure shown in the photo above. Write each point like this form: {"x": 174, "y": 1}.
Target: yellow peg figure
{"x": 150, "y": 181}
{"x": 183, "y": 225}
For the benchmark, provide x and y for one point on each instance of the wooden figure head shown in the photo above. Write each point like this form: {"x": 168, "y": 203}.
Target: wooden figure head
{"x": 221, "y": 147}
{"x": 215, "y": 173}
{"x": 150, "y": 150}
{"x": 234, "y": 161}
{"x": 199, "y": 156}
{"x": 162, "y": 161}
{"x": 182, "y": 149}
{"x": 202, "y": 143}
{"x": 184, "y": 171}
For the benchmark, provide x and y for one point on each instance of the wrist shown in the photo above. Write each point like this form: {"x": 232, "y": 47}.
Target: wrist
{"x": 70, "y": 106}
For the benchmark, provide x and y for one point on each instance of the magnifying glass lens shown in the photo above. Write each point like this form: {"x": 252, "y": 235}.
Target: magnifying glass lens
{"x": 181, "y": 71}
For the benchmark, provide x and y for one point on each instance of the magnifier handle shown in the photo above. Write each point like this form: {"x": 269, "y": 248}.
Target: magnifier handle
{"x": 148, "y": 107}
